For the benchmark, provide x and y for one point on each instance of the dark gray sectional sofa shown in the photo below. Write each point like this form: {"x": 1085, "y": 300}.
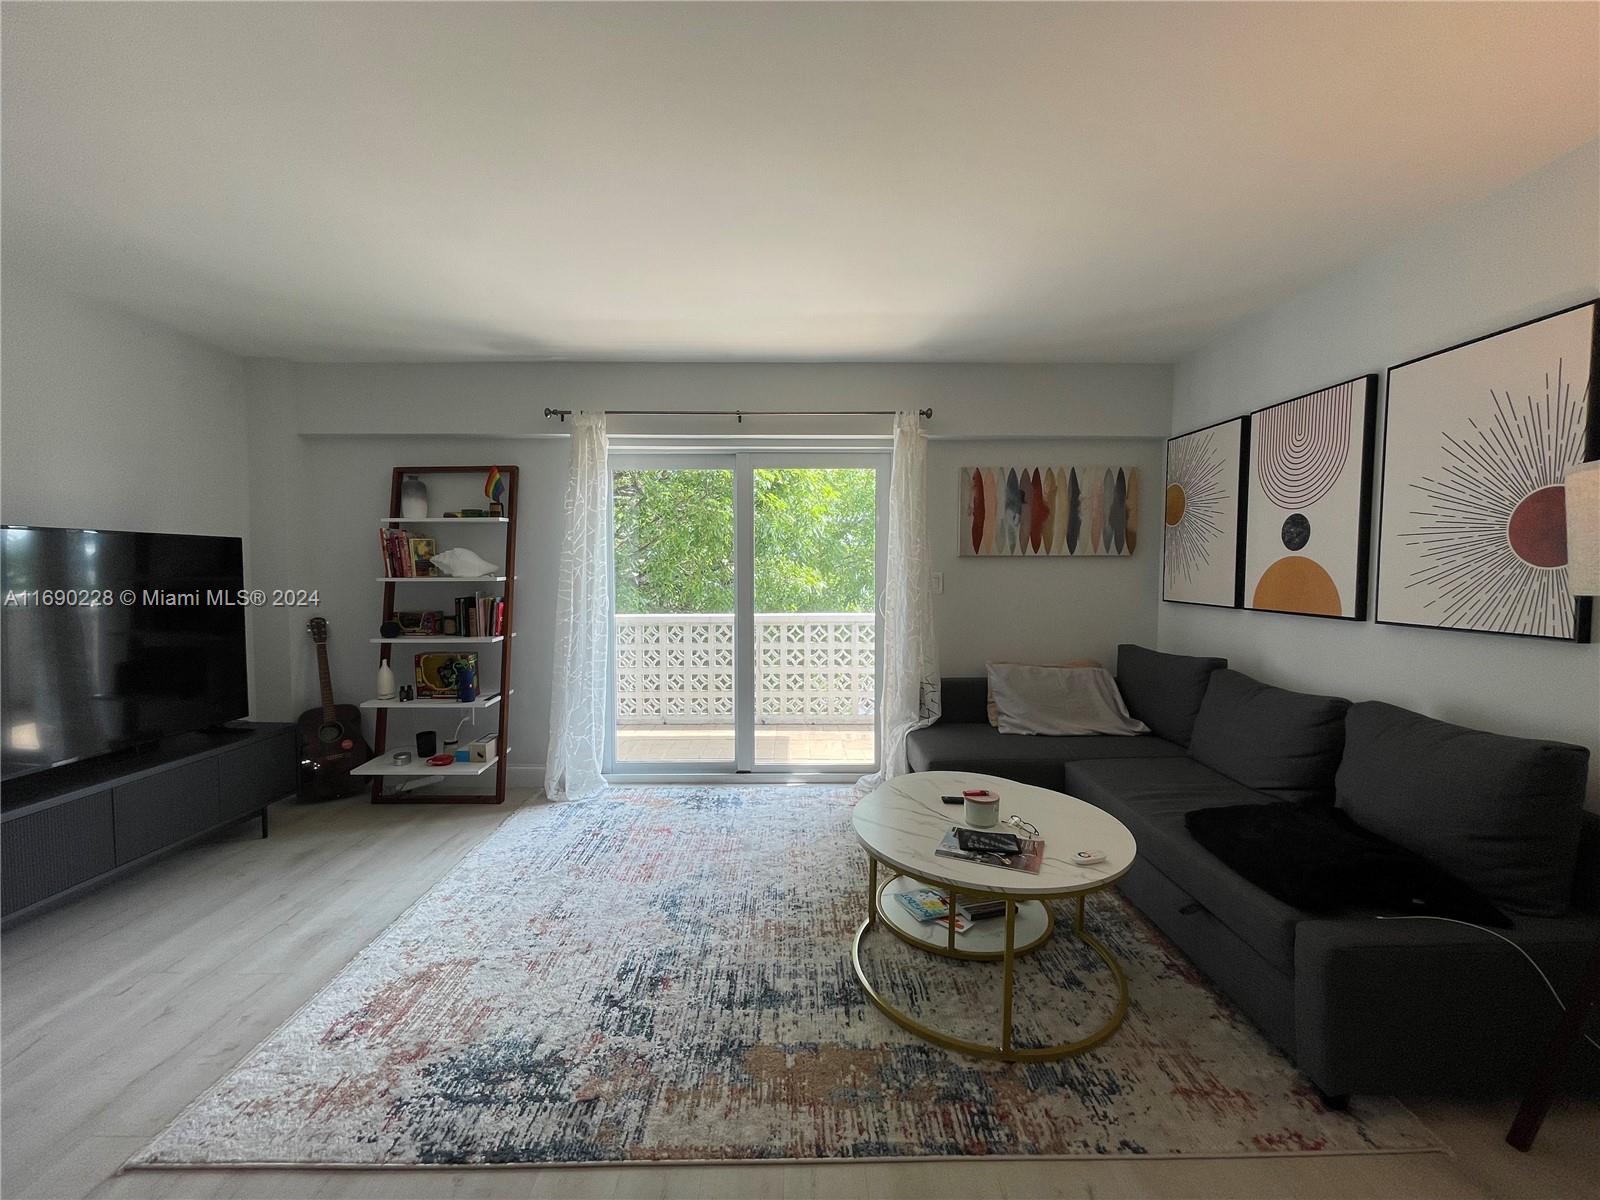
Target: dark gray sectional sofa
{"x": 1360, "y": 1004}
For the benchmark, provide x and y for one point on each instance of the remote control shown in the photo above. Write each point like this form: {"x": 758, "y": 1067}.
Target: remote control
{"x": 1087, "y": 858}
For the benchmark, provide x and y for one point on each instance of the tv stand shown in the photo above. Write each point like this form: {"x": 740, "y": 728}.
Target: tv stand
{"x": 78, "y": 826}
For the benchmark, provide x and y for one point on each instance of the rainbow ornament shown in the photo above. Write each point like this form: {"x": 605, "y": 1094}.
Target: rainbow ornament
{"x": 494, "y": 485}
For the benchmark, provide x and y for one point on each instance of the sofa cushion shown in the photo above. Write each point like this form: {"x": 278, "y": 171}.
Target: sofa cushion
{"x": 1164, "y": 690}
{"x": 963, "y": 699}
{"x": 1152, "y": 797}
{"x": 1502, "y": 814}
{"x": 1059, "y": 702}
{"x": 944, "y": 746}
{"x": 993, "y": 710}
{"x": 1313, "y": 856}
{"x": 1286, "y": 744}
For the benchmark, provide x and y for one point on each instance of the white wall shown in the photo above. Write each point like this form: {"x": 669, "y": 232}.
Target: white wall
{"x": 108, "y": 420}
{"x": 324, "y": 438}
{"x": 1522, "y": 252}
{"x": 1042, "y": 609}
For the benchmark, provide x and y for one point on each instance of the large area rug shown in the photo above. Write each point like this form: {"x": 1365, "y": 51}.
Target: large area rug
{"x": 665, "y": 975}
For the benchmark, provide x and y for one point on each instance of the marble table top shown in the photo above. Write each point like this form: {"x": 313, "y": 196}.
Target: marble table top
{"x": 903, "y": 820}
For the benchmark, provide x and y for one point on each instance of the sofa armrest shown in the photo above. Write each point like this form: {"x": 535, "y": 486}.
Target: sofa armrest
{"x": 1426, "y": 1005}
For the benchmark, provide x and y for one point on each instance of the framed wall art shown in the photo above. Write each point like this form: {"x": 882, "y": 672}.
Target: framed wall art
{"x": 1203, "y": 511}
{"x": 1048, "y": 512}
{"x": 1310, "y": 488}
{"x": 1477, "y": 442}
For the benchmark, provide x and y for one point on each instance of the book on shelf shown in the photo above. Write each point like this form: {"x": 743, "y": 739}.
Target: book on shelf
{"x": 924, "y": 904}
{"x": 931, "y": 907}
{"x": 405, "y": 556}
{"x": 479, "y": 615}
{"x": 993, "y": 850}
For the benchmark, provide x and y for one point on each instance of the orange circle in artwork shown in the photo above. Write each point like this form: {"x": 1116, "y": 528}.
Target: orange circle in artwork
{"x": 1175, "y": 503}
{"x": 1538, "y": 527}
{"x": 1297, "y": 584}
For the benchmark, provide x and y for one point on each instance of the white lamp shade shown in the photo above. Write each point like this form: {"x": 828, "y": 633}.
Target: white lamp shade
{"x": 1583, "y": 529}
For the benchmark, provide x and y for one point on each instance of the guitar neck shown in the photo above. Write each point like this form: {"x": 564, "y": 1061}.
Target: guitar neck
{"x": 326, "y": 680}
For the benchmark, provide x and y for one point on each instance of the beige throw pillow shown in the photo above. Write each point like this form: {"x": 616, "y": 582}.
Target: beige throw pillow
{"x": 1061, "y": 701}
{"x": 994, "y": 713}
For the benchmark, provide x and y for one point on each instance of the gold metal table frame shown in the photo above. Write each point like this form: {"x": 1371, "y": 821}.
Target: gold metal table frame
{"x": 1007, "y": 958}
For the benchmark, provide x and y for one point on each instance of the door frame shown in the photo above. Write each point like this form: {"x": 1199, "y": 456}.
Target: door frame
{"x": 744, "y": 459}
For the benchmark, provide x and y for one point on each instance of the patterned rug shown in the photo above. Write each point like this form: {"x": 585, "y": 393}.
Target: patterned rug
{"x": 665, "y": 975}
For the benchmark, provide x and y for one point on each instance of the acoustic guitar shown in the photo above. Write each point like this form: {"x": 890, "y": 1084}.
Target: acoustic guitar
{"x": 330, "y": 736}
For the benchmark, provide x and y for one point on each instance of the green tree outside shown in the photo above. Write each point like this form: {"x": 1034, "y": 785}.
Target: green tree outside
{"x": 815, "y": 535}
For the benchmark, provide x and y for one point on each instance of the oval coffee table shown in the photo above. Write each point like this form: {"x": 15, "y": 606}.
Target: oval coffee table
{"x": 901, "y": 822}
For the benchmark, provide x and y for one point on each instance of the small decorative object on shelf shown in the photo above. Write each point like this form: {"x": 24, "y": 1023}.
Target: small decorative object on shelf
{"x": 463, "y": 563}
{"x": 494, "y": 487}
{"x": 413, "y": 498}
{"x": 439, "y": 673}
{"x": 407, "y": 693}
{"x": 467, "y": 682}
{"x": 386, "y": 688}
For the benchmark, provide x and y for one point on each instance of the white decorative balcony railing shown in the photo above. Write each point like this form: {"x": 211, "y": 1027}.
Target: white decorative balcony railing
{"x": 811, "y": 668}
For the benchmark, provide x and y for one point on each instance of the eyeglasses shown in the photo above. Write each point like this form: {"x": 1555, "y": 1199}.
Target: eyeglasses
{"x": 1026, "y": 827}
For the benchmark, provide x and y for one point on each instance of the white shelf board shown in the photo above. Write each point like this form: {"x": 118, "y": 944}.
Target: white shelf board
{"x": 435, "y": 637}
{"x": 384, "y": 764}
{"x": 444, "y": 521}
{"x": 441, "y": 578}
{"x": 488, "y": 701}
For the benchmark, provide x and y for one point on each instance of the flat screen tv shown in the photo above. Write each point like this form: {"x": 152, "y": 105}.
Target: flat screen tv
{"x": 111, "y": 641}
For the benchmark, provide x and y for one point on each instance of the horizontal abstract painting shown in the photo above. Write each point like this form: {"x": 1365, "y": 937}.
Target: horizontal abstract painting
{"x": 1055, "y": 512}
{"x": 1305, "y": 542}
{"x": 1203, "y": 508}
{"x": 1477, "y": 444}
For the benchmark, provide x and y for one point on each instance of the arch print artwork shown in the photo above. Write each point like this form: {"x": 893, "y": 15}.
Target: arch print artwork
{"x": 1310, "y": 479}
{"x": 1203, "y": 509}
{"x": 1477, "y": 443}
{"x": 1048, "y": 512}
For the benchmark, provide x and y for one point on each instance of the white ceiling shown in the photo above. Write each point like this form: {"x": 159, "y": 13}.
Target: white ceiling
{"x": 973, "y": 182}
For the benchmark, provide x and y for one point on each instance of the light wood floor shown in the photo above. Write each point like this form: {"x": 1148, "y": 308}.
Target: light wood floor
{"x": 122, "y": 1007}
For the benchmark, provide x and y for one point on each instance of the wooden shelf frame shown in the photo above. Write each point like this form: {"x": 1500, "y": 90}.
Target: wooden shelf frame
{"x": 508, "y": 589}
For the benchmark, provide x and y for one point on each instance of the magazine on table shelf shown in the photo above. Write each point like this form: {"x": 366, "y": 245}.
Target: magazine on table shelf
{"x": 1006, "y": 850}
{"x": 929, "y": 906}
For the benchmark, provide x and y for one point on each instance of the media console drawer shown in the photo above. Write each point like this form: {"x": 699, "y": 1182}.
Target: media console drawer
{"x": 48, "y": 851}
{"x": 164, "y": 808}
{"x": 255, "y": 775}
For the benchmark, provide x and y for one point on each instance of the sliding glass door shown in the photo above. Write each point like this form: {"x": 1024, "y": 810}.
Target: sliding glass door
{"x": 745, "y": 631}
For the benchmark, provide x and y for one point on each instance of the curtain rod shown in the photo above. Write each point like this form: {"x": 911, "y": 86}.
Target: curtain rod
{"x": 740, "y": 413}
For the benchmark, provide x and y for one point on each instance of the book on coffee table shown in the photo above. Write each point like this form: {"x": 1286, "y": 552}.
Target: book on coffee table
{"x": 1029, "y": 857}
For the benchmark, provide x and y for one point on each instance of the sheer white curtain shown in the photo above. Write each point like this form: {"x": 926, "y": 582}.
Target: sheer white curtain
{"x": 910, "y": 652}
{"x": 583, "y": 617}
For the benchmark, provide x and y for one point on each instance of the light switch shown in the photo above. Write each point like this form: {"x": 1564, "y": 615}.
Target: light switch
{"x": 938, "y": 582}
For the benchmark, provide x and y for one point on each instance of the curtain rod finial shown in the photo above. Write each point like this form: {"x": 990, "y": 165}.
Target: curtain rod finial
{"x": 557, "y": 412}
{"x": 925, "y": 412}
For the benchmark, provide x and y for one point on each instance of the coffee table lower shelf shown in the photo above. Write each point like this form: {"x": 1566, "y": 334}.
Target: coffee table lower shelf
{"x": 1028, "y": 925}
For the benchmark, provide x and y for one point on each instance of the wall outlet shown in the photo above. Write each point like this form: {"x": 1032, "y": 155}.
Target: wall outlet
{"x": 938, "y": 582}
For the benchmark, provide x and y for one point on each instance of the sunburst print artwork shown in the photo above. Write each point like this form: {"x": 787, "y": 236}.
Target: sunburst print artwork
{"x": 1201, "y": 510}
{"x": 1479, "y": 442}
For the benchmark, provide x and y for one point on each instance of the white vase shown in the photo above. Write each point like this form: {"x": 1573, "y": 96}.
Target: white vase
{"x": 413, "y": 498}
{"x": 386, "y": 688}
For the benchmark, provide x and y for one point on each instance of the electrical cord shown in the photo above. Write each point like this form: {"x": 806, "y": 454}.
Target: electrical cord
{"x": 1560, "y": 1003}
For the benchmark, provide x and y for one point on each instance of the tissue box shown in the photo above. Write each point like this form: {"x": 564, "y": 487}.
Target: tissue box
{"x": 483, "y": 749}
